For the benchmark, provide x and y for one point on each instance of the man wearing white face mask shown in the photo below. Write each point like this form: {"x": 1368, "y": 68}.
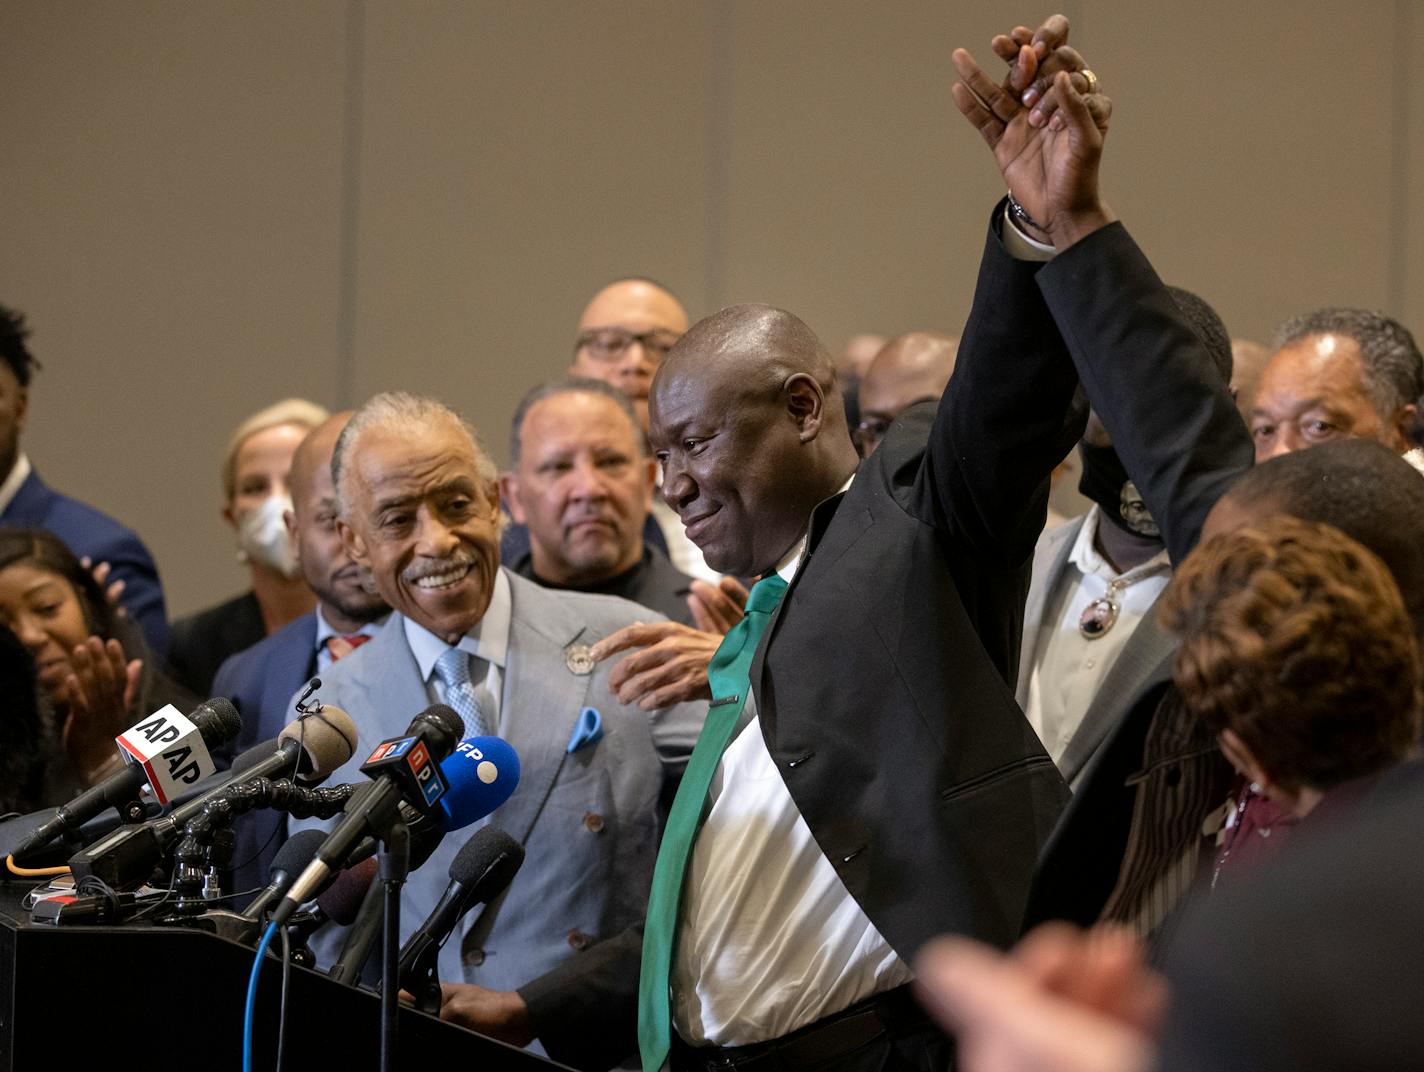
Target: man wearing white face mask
{"x": 255, "y": 475}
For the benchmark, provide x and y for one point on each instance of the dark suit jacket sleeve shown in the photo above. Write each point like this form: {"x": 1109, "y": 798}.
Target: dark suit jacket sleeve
{"x": 1003, "y": 423}
{"x": 229, "y": 682}
{"x": 1149, "y": 378}
{"x": 585, "y": 1011}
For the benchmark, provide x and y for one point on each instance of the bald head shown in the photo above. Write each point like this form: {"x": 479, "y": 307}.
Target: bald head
{"x": 909, "y": 368}
{"x": 748, "y": 420}
{"x": 623, "y": 334}
{"x": 637, "y": 304}
{"x": 311, "y": 464}
{"x": 860, "y": 351}
{"x": 760, "y": 341}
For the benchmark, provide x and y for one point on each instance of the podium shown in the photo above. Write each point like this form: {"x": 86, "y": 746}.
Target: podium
{"x": 172, "y": 997}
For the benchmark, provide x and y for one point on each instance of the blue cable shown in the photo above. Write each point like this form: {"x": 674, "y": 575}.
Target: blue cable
{"x": 251, "y": 1013}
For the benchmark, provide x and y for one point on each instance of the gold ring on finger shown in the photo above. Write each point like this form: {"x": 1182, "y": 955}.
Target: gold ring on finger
{"x": 1092, "y": 80}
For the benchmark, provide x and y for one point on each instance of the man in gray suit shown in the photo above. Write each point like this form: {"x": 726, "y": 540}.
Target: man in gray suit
{"x": 1090, "y": 632}
{"x": 419, "y": 507}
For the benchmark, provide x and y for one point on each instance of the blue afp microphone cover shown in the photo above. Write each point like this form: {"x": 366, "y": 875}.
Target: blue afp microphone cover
{"x": 482, "y": 772}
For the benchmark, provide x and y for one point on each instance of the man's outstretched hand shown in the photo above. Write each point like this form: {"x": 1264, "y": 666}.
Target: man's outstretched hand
{"x": 1048, "y": 151}
{"x": 667, "y": 663}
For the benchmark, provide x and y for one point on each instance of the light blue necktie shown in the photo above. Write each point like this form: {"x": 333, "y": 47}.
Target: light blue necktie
{"x": 453, "y": 670}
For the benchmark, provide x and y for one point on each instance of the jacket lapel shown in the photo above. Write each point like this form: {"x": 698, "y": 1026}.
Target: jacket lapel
{"x": 291, "y": 667}
{"x": 538, "y": 711}
{"x": 1049, "y": 561}
{"x": 823, "y": 548}
{"x": 388, "y": 673}
{"x": 541, "y": 702}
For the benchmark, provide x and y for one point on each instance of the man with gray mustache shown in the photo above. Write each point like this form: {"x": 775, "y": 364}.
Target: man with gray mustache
{"x": 419, "y": 507}
{"x": 582, "y": 480}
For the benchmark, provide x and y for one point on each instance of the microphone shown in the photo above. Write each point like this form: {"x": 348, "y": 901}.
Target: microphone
{"x": 341, "y": 901}
{"x": 426, "y": 833}
{"x": 482, "y": 772}
{"x": 402, "y": 768}
{"x": 316, "y": 743}
{"x": 361, "y": 936}
{"x": 307, "y": 750}
{"x": 216, "y": 721}
{"x": 294, "y": 855}
{"x": 478, "y": 874}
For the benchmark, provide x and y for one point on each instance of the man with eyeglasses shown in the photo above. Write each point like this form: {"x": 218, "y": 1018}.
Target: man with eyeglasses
{"x": 622, "y": 337}
{"x": 910, "y": 368}
{"x": 624, "y": 333}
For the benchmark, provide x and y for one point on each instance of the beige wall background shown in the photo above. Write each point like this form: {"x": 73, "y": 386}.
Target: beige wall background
{"x": 207, "y": 206}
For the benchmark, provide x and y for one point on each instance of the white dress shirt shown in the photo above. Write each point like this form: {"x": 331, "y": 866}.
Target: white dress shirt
{"x": 769, "y": 939}
{"x": 487, "y": 641}
{"x": 1068, "y": 668}
{"x": 19, "y": 473}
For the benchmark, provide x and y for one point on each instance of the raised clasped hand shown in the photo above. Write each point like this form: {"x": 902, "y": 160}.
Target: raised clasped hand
{"x": 1045, "y": 123}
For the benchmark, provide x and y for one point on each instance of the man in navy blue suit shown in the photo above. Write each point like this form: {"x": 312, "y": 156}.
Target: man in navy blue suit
{"x": 262, "y": 680}
{"x": 26, "y": 500}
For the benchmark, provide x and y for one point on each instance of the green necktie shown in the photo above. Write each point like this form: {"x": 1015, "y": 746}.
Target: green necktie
{"x": 730, "y": 677}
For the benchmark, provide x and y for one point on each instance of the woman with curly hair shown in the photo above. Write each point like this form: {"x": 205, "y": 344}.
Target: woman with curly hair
{"x": 1297, "y": 651}
{"x": 92, "y": 673}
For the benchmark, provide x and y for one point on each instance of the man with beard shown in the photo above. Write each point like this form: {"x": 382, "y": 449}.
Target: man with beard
{"x": 260, "y": 680}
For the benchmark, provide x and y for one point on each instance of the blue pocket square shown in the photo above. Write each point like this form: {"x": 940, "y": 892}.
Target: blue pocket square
{"x": 588, "y": 730}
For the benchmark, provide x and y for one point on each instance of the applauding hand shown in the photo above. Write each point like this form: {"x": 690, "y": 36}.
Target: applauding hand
{"x": 100, "y": 695}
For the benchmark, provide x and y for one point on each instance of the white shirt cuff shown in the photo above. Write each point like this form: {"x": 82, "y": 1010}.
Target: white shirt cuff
{"x": 1020, "y": 245}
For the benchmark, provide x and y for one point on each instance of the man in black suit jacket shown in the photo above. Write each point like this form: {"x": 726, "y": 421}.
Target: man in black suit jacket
{"x": 901, "y": 781}
{"x": 882, "y": 686}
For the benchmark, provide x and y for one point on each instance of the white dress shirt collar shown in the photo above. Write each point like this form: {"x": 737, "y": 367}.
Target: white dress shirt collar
{"x": 19, "y": 473}
{"x": 325, "y": 630}
{"x": 791, "y": 561}
{"x": 1091, "y": 563}
{"x": 489, "y": 639}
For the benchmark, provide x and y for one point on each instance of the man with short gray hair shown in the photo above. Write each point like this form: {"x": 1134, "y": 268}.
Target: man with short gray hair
{"x": 420, "y": 510}
{"x": 1338, "y": 374}
{"x": 582, "y": 481}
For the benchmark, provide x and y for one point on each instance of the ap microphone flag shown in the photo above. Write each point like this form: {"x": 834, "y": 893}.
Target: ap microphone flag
{"x": 170, "y": 749}
{"x": 482, "y": 772}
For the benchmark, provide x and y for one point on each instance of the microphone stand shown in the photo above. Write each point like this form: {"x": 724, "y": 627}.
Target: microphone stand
{"x": 394, "y": 867}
